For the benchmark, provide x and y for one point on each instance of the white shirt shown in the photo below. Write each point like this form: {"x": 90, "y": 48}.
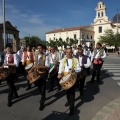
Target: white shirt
{"x": 75, "y": 51}
{"x": 47, "y": 52}
{"x": 16, "y": 59}
{"x": 87, "y": 52}
{"x": 20, "y": 53}
{"x": 85, "y": 65}
{"x": 61, "y": 55}
{"x": 97, "y": 55}
{"x": 67, "y": 68}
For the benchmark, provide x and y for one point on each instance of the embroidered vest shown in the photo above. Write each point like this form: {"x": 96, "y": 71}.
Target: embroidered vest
{"x": 31, "y": 57}
{"x": 84, "y": 59}
{"x": 56, "y": 56}
{"x": 64, "y": 62}
{"x": 41, "y": 61}
{"x": 100, "y": 52}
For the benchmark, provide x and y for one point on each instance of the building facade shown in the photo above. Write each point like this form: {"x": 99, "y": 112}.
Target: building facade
{"x": 12, "y": 36}
{"x": 89, "y": 35}
{"x": 101, "y": 22}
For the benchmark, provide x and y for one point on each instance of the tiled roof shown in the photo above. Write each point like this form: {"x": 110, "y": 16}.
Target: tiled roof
{"x": 66, "y": 29}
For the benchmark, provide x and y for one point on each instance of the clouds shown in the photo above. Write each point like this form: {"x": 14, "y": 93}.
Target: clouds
{"x": 36, "y": 17}
{"x": 27, "y": 21}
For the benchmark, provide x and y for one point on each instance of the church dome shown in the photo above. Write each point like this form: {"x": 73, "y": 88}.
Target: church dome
{"x": 116, "y": 18}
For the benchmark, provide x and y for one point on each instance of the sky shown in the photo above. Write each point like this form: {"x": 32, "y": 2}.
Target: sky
{"x": 36, "y": 17}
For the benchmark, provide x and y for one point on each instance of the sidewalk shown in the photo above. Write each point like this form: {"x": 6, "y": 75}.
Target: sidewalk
{"x": 111, "y": 111}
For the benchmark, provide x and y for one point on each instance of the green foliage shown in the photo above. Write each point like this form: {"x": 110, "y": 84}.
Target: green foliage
{"x": 33, "y": 41}
{"x": 109, "y": 38}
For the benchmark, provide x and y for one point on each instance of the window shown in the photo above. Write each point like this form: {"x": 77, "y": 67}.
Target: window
{"x": 75, "y": 36}
{"x": 91, "y": 37}
{"x": 87, "y": 36}
{"x": 100, "y": 6}
{"x": 102, "y": 14}
{"x": 54, "y": 38}
{"x": 83, "y": 36}
{"x": 100, "y": 29}
{"x": 54, "y": 34}
{"x": 98, "y": 14}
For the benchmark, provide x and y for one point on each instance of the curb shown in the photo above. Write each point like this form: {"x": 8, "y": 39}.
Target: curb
{"x": 107, "y": 110}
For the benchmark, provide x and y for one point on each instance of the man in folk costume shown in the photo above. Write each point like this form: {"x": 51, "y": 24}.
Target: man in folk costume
{"x": 41, "y": 60}
{"x": 75, "y": 50}
{"x": 53, "y": 61}
{"x": 27, "y": 59}
{"x": 97, "y": 58}
{"x": 87, "y": 52}
{"x": 84, "y": 63}
{"x": 68, "y": 65}
{"x": 61, "y": 54}
{"x": 21, "y": 67}
{"x": 45, "y": 50}
{"x": 11, "y": 60}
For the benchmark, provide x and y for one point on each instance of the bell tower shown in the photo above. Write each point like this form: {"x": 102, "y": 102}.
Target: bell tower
{"x": 100, "y": 13}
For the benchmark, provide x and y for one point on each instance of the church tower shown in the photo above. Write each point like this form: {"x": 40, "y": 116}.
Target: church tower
{"x": 101, "y": 22}
{"x": 100, "y": 14}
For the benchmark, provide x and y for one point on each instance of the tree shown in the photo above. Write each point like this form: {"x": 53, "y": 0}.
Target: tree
{"x": 109, "y": 38}
{"x": 33, "y": 41}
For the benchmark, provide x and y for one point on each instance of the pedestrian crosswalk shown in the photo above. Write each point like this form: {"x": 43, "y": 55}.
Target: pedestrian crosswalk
{"x": 114, "y": 71}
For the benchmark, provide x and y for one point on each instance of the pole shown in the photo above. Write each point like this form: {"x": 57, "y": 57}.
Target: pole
{"x": 4, "y": 35}
{"x": 29, "y": 39}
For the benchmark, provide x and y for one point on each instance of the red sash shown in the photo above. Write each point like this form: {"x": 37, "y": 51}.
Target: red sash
{"x": 97, "y": 61}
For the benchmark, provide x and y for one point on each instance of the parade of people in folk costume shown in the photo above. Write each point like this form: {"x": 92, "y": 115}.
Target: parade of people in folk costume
{"x": 65, "y": 69}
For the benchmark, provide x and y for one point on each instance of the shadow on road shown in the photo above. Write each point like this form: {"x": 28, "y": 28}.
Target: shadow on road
{"x": 56, "y": 96}
{"x": 90, "y": 90}
{"x": 62, "y": 116}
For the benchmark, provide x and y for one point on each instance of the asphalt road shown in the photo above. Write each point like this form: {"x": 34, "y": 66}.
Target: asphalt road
{"x": 26, "y": 107}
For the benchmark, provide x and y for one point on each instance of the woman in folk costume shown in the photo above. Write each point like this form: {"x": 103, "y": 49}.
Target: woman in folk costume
{"x": 41, "y": 60}
{"x": 11, "y": 60}
{"x": 53, "y": 61}
{"x": 67, "y": 65}
{"x": 97, "y": 58}
{"x": 27, "y": 59}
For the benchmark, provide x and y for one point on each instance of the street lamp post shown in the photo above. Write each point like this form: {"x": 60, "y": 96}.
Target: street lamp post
{"x": 29, "y": 39}
{"x": 4, "y": 36}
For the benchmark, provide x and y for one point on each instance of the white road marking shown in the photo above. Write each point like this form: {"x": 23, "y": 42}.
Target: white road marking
{"x": 116, "y": 78}
{"x": 113, "y": 70}
{"x": 118, "y": 83}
